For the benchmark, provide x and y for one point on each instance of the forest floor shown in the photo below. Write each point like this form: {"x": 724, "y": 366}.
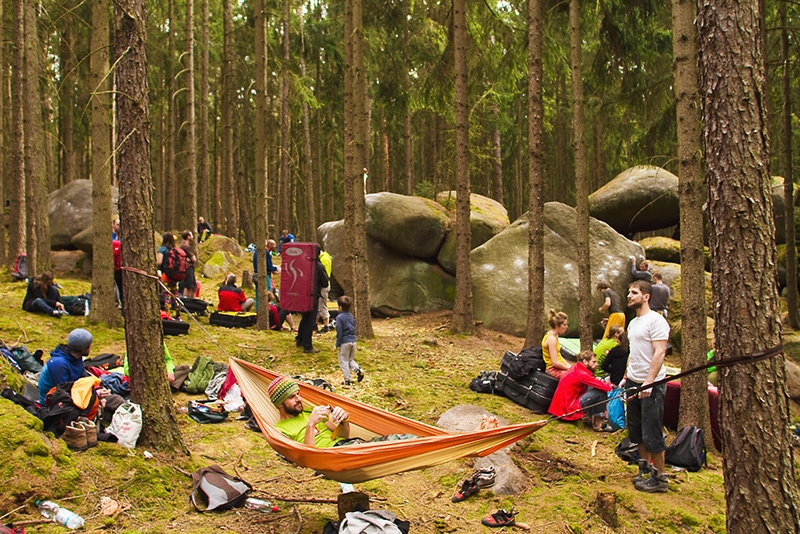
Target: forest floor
{"x": 413, "y": 366}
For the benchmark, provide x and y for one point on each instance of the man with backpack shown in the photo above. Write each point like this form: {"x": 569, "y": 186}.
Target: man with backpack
{"x": 647, "y": 334}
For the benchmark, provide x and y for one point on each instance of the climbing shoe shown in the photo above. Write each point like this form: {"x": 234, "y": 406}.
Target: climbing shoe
{"x": 501, "y": 518}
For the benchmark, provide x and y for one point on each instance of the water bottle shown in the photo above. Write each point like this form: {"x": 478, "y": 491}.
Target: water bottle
{"x": 60, "y": 515}
{"x": 86, "y": 309}
{"x": 257, "y": 504}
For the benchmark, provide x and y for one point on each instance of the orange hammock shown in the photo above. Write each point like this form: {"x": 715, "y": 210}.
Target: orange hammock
{"x": 367, "y": 461}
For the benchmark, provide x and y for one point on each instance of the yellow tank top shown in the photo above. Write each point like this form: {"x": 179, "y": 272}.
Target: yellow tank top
{"x": 548, "y": 360}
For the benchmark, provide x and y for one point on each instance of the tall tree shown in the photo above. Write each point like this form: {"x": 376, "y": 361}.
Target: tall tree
{"x": 581, "y": 178}
{"x": 463, "y": 318}
{"x": 4, "y": 129}
{"x": 497, "y": 157}
{"x": 261, "y": 158}
{"x": 104, "y": 308}
{"x": 760, "y": 486}
{"x": 694, "y": 397}
{"x": 169, "y": 181}
{"x": 16, "y": 215}
{"x": 37, "y": 237}
{"x": 203, "y": 176}
{"x": 788, "y": 174}
{"x": 355, "y": 164}
{"x": 231, "y": 212}
{"x": 66, "y": 107}
{"x": 534, "y": 331}
{"x": 189, "y": 186}
{"x": 143, "y": 334}
{"x": 285, "y": 215}
{"x": 308, "y": 159}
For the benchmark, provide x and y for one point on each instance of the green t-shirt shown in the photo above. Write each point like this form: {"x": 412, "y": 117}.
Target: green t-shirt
{"x": 167, "y": 360}
{"x": 295, "y": 428}
{"x": 601, "y": 351}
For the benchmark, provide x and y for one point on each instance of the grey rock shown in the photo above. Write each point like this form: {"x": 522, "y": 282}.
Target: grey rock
{"x": 793, "y": 380}
{"x": 464, "y": 418}
{"x": 218, "y": 264}
{"x": 500, "y": 270}
{"x": 414, "y": 226}
{"x": 639, "y": 199}
{"x": 70, "y": 212}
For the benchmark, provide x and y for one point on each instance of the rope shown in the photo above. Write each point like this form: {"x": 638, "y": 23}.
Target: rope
{"x": 183, "y": 306}
{"x": 748, "y": 358}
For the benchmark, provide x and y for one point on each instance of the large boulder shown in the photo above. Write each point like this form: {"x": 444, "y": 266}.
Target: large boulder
{"x": 70, "y": 212}
{"x": 397, "y": 282}
{"x": 414, "y": 226}
{"x": 500, "y": 269}
{"x": 639, "y": 199}
{"x": 487, "y": 218}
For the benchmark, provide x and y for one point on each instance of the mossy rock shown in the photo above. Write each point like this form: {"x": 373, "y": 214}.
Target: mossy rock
{"x": 662, "y": 249}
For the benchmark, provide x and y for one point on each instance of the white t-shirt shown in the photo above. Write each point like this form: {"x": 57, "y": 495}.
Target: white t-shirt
{"x": 642, "y": 331}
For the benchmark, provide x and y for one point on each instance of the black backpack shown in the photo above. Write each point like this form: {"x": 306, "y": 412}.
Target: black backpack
{"x": 523, "y": 365}
{"x": 688, "y": 449}
{"x": 627, "y": 451}
{"x": 20, "y": 271}
{"x": 484, "y": 382}
{"x": 174, "y": 264}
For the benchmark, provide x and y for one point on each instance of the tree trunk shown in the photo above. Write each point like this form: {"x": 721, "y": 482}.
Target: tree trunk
{"x": 581, "y": 179}
{"x": 760, "y": 485}
{"x": 189, "y": 189}
{"x": 534, "y": 331}
{"x": 231, "y": 224}
{"x": 16, "y": 214}
{"x": 203, "y": 175}
{"x": 497, "y": 158}
{"x": 104, "y": 309}
{"x": 463, "y": 318}
{"x": 5, "y": 160}
{"x": 788, "y": 175}
{"x": 285, "y": 215}
{"x": 67, "y": 98}
{"x": 308, "y": 167}
{"x": 149, "y": 386}
{"x": 170, "y": 179}
{"x": 261, "y": 160}
{"x": 37, "y": 239}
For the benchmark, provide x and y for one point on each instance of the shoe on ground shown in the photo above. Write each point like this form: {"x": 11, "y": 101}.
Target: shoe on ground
{"x": 325, "y": 329}
{"x": 59, "y": 313}
{"x": 656, "y": 483}
{"x": 468, "y": 489}
{"x": 501, "y": 518}
{"x": 75, "y": 437}
{"x": 91, "y": 431}
{"x": 644, "y": 471}
{"x": 311, "y": 350}
{"x": 346, "y": 383}
{"x": 605, "y": 427}
{"x": 485, "y": 477}
{"x": 359, "y": 374}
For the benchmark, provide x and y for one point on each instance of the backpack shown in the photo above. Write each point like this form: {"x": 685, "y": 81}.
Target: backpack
{"x": 214, "y": 489}
{"x": 21, "y": 358}
{"x": 174, "y": 264}
{"x": 78, "y": 305}
{"x": 104, "y": 361}
{"x": 20, "y": 271}
{"x": 523, "y": 365}
{"x": 484, "y": 382}
{"x": 688, "y": 449}
{"x": 199, "y": 376}
{"x": 628, "y": 451}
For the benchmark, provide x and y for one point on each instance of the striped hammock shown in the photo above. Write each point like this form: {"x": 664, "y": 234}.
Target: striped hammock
{"x": 367, "y": 461}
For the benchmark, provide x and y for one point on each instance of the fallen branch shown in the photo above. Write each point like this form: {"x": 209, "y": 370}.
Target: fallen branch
{"x": 299, "y": 519}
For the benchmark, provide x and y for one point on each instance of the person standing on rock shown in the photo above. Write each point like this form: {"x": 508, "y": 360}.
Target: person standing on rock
{"x": 640, "y": 271}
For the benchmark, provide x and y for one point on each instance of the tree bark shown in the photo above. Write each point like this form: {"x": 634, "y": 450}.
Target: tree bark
{"x": 788, "y": 175}
{"x": 694, "y": 388}
{"x": 285, "y": 215}
{"x": 149, "y": 386}
{"x": 103, "y": 309}
{"x": 261, "y": 160}
{"x": 5, "y": 162}
{"x": 463, "y": 318}
{"x": 67, "y": 98}
{"x": 497, "y": 158}
{"x": 16, "y": 215}
{"x": 534, "y": 331}
{"x": 308, "y": 167}
{"x": 203, "y": 175}
{"x": 581, "y": 179}
{"x": 230, "y": 209}
{"x": 189, "y": 190}
{"x": 760, "y": 486}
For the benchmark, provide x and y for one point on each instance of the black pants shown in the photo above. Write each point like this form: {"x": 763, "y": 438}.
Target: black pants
{"x": 305, "y": 330}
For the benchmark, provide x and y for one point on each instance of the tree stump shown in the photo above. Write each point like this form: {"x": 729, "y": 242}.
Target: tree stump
{"x": 247, "y": 280}
{"x": 605, "y": 506}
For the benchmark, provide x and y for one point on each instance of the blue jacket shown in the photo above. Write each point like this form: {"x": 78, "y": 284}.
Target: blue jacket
{"x": 61, "y": 367}
{"x": 270, "y": 267}
{"x": 345, "y": 328}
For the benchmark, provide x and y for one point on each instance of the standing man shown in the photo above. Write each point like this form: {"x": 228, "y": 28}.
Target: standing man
{"x": 613, "y": 304}
{"x": 660, "y": 297}
{"x": 647, "y": 333}
{"x": 285, "y": 237}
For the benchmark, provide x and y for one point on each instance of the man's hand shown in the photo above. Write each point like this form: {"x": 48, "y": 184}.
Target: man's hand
{"x": 318, "y": 414}
{"x": 645, "y": 392}
{"x": 338, "y": 415}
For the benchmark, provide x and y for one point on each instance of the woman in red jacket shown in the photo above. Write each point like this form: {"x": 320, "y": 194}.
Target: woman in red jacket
{"x": 579, "y": 390}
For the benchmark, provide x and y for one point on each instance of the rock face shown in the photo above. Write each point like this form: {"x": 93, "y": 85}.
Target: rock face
{"x": 639, "y": 199}
{"x": 414, "y": 226}
{"x": 70, "y": 211}
{"x": 398, "y": 282}
{"x": 216, "y": 255}
{"x": 500, "y": 270}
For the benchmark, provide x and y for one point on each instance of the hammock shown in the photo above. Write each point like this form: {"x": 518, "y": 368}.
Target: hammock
{"x": 367, "y": 461}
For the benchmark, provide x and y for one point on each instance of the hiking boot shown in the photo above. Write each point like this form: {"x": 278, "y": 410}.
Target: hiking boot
{"x": 346, "y": 383}
{"x": 75, "y": 437}
{"x": 656, "y": 483}
{"x": 644, "y": 471}
{"x": 485, "y": 478}
{"x": 468, "y": 489}
{"x": 359, "y": 374}
{"x": 91, "y": 431}
{"x": 501, "y": 518}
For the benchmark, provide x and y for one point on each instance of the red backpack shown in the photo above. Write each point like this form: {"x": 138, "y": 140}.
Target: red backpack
{"x": 174, "y": 264}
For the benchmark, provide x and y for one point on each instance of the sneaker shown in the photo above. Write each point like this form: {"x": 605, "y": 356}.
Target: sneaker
{"x": 325, "y": 329}
{"x": 485, "y": 477}
{"x": 75, "y": 437}
{"x": 346, "y": 383}
{"x": 91, "y": 431}
{"x": 359, "y": 374}
{"x": 644, "y": 471}
{"x": 468, "y": 489}
{"x": 501, "y": 518}
{"x": 59, "y": 313}
{"x": 311, "y": 351}
{"x": 656, "y": 483}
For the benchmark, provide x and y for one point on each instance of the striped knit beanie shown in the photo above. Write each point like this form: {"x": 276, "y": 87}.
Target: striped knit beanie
{"x": 281, "y": 389}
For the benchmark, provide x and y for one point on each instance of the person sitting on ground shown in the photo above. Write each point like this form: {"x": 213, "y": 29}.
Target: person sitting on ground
{"x": 555, "y": 365}
{"x": 278, "y": 315}
{"x": 43, "y": 296}
{"x": 65, "y": 363}
{"x": 231, "y": 298}
{"x": 642, "y": 272}
{"x": 602, "y": 349}
{"x": 204, "y": 230}
{"x": 616, "y": 361}
{"x": 580, "y": 391}
{"x": 313, "y": 427}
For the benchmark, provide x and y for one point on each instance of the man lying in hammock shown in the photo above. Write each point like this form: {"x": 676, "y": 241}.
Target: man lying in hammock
{"x": 321, "y": 427}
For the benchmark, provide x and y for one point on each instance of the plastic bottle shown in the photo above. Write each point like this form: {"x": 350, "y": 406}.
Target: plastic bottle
{"x": 86, "y": 309}
{"x": 257, "y": 504}
{"x": 60, "y": 515}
